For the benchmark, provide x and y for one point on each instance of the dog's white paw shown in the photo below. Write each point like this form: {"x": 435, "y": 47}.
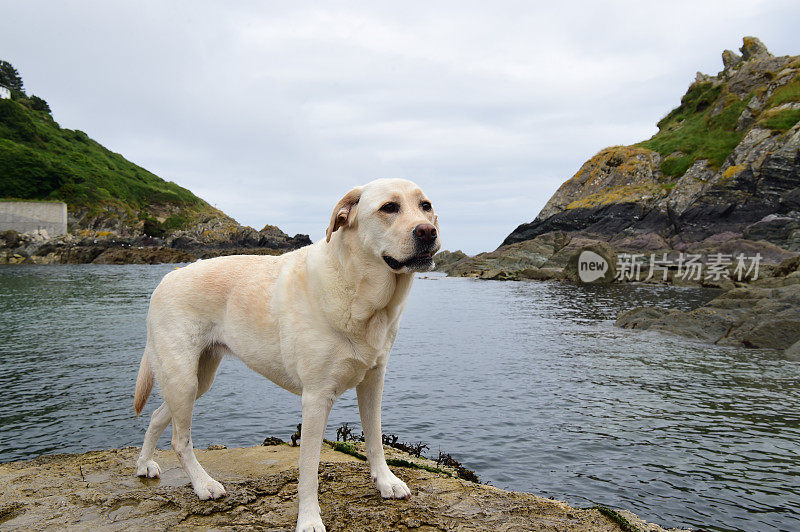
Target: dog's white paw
{"x": 147, "y": 468}
{"x": 209, "y": 489}
{"x": 309, "y": 523}
{"x": 391, "y": 487}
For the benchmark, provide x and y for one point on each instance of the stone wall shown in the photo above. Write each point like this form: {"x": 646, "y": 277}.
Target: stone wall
{"x": 26, "y": 216}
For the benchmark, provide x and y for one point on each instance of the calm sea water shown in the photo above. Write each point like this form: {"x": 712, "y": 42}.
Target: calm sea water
{"x": 527, "y": 383}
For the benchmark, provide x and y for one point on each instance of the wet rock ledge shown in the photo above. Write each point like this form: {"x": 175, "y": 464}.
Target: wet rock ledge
{"x": 99, "y": 490}
{"x": 765, "y": 315}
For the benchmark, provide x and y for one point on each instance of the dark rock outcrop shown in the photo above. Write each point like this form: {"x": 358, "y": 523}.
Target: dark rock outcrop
{"x": 507, "y": 262}
{"x": 182, "y": 246}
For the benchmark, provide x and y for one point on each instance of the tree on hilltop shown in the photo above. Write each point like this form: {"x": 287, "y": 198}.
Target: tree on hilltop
{"x": 9, "y": 76}
{"x": 38, "y": 104}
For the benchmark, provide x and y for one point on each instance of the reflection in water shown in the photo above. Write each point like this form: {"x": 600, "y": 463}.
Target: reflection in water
{"x": 528, "y": 383}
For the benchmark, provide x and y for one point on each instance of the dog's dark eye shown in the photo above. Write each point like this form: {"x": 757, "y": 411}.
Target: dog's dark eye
{"x": 426, "y": 205}
{"x": 391, "y": 207}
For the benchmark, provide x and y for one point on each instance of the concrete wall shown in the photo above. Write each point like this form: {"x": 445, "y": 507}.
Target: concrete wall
{"x": 26, "y": 216}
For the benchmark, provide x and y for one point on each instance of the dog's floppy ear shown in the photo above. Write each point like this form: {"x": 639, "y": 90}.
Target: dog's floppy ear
{"x": 342, "y": 211}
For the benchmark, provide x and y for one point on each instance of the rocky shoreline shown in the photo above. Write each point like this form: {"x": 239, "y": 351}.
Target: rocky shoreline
{"x": 764, "y": 314}
{"x": 553, "y": 256}
{"x": 105, "y": 247}
{"x": 100, "y": 490}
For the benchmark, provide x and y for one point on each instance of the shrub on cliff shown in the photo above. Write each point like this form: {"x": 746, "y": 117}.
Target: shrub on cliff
{"x": 38, "y": 104}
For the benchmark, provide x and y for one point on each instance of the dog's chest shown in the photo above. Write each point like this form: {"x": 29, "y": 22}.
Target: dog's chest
{"x": 370, "y": 340}
{"x": 377, "y": 329}
{"x": 373, "y": 326}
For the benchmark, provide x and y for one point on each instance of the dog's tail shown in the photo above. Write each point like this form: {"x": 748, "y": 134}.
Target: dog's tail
{"x": 144, "y": 383}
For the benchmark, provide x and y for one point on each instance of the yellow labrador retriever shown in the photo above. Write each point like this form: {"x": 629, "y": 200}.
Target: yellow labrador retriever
{"x": 316, "y": 321}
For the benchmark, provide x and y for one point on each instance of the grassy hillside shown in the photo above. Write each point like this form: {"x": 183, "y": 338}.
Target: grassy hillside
{"x": 691, "y": 131}
{"x": 41, "y": 160}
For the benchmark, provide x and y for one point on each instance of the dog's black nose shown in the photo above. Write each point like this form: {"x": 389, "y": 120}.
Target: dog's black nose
{"x": 425, "y": 233}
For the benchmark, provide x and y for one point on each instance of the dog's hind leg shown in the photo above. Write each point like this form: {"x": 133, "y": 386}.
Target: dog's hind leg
{"x": 207, "y": 367}
{"x": 206, "y": 371}
{"x": 180, "y": 384}
{"x": 145, "y": 465}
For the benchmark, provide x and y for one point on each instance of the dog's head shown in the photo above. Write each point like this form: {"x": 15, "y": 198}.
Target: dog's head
{"x": 391, "y": 219}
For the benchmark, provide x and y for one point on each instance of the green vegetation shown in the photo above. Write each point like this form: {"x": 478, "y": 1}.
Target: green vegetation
{"x": 787, "y": 93}
{"x": 41, "y": 160}
{"x": 616, "y": 517}
{"x": 175, "y": 222}
{"x": 676, "y": 166}
{"x": 698, "y": 98}
{"x": 691, "y": 130}
{"x": 152, "y": 227}
{"x": 782, "y": 120}
{"x": 350, "y": 449}
{"x": 9, "y": 76}
{"x": 612, "y": 195}
{"x": 399, "y": 462}
{"x": 346, "y": 448}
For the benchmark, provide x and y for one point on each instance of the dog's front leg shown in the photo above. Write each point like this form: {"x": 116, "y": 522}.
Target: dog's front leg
{"x": 316, "y": 408}
{"x": 370, "y": 392}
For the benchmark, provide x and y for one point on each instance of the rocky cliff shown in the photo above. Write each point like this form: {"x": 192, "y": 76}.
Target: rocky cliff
{"x": 720, "y": 176}
{"x": 724, "y": 164}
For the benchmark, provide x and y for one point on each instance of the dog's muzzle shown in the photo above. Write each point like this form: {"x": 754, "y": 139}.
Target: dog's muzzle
{"x": 417, "y": 263}
{"x": 425, "y": 236}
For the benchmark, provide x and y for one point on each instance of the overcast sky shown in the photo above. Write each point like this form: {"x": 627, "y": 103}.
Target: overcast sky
{"x": 272, "y": 111}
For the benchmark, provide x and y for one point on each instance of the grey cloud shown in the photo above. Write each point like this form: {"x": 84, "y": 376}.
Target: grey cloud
{"x": 272, "y": 111}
